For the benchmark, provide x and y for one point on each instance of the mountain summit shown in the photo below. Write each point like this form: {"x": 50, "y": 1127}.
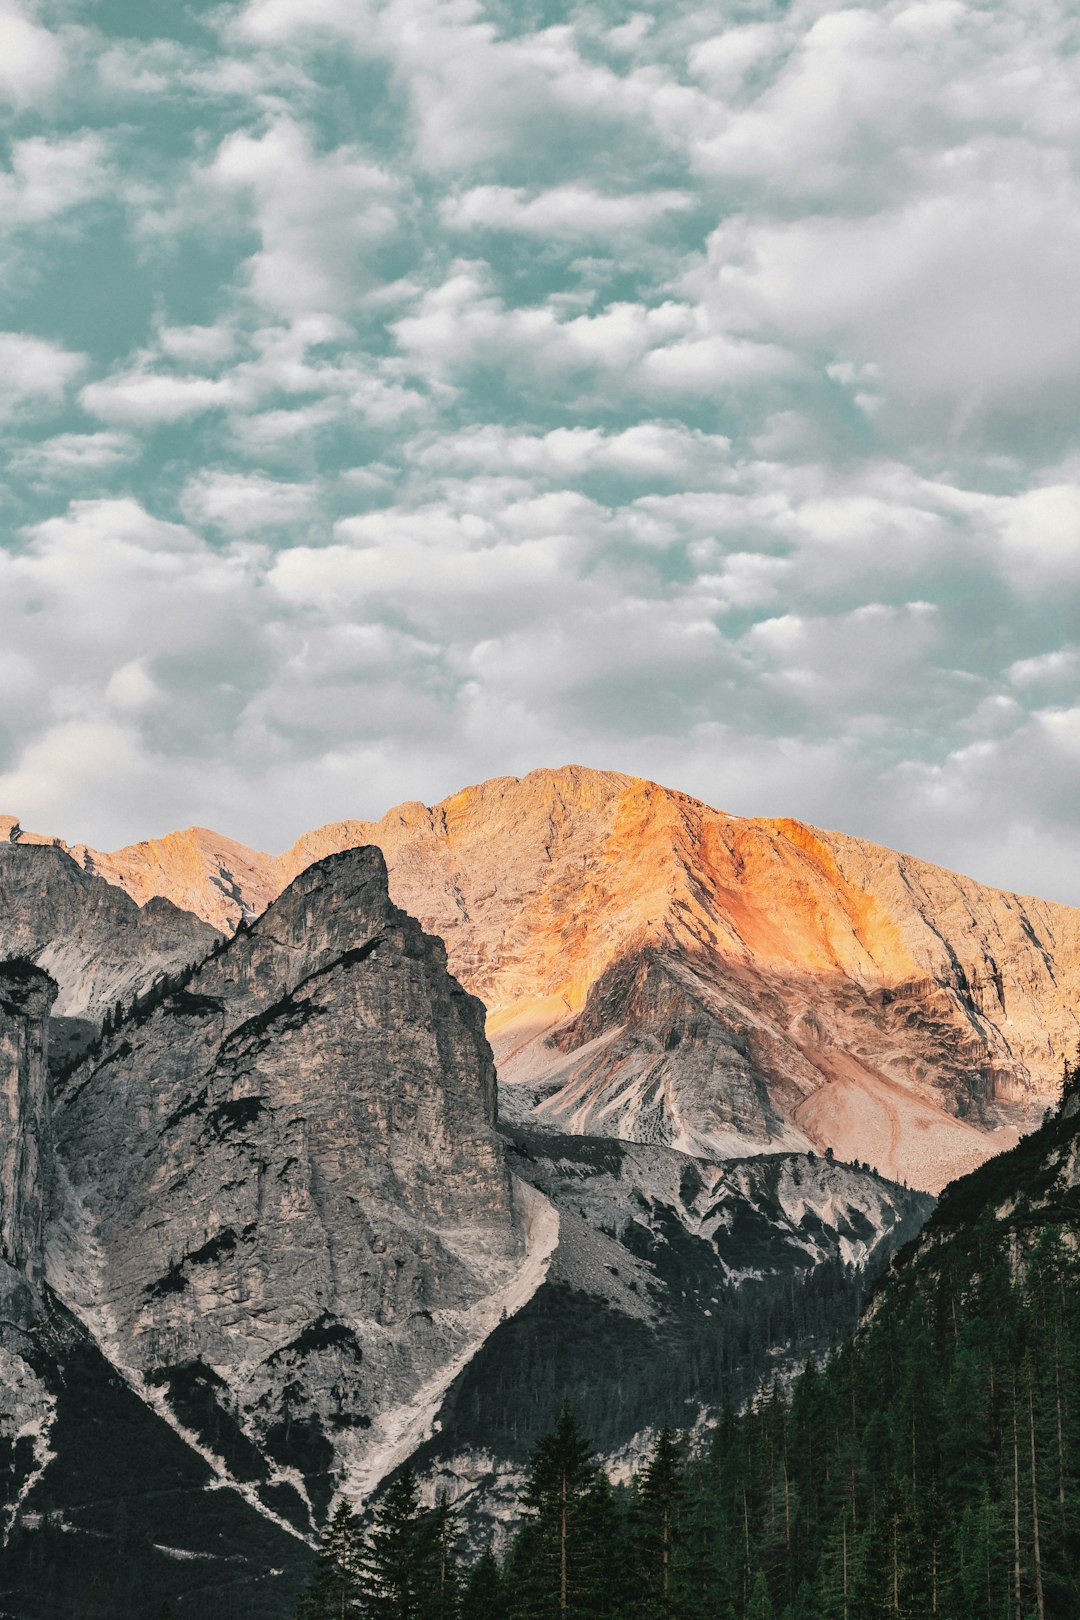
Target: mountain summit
{"x": 659, "y": 971}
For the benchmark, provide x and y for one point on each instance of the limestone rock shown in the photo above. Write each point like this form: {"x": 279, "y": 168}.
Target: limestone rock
{"x": 97, "y": 943}
{"x": 311, "y": 1219}
{"x": 26, "y": 996}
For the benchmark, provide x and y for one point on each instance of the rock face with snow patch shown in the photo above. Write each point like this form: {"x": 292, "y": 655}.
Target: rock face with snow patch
{"x": 92, "y": 938}
{"x": 286, "y": 1209}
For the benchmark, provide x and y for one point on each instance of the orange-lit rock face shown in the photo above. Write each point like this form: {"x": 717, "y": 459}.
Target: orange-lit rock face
{"x": 657, "y": 970}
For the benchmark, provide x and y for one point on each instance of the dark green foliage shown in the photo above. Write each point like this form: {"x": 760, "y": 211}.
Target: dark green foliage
{"x": 393, "y": 1554}
{"x": 438, "y": 1577}
{"x": 930, "y": 1469}
{"x": 658, "y": 1531}
{"x": 483, "y": 1596}
{"x": 557, "y": 1549}
{"x": 333, "y": 1592}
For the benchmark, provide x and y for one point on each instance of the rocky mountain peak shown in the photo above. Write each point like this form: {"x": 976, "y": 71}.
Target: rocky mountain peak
{"x": 313, "y": 1217}
{"x": 97, "y": 943}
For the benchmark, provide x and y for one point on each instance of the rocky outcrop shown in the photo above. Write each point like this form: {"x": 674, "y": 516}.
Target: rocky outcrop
{"x": 96, "y": 942}
{"x": 312, "y": 1217}
{"x": 656, "y": 970}
{"x": 26, "y": 997}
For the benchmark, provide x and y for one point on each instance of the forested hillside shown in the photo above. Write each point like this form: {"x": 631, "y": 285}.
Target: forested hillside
{"x": 931, "y": 1468}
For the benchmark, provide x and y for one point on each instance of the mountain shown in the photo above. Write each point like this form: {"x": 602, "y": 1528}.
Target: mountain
{"x": 929, "y": 1468}
{"x": 102, "y": 1506}
{"x": 655, "y": 970}
{"x": 264, "y": 1241}
{"x": 313, "y": 1220}
{"x": 98, "y": 944}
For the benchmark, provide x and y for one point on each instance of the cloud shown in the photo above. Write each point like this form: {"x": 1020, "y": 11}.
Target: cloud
{"x": 321, "y": 217}
{"x": 74, "y": 456}
{"x": 143, "y": 397}
{"x": 464, "y": 326}
{"x": 238, "y": 503}
{"x": 49, "y": 176}
{"x": 686, "y": 393}
{"x": 647, "y": 452}
{"x": 573, "y": 212}
{"x": 32, "y": 59}
{"x": 37, "y": 374}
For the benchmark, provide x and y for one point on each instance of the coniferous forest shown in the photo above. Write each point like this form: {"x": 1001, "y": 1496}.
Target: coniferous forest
{"x": 931, "y": 1468}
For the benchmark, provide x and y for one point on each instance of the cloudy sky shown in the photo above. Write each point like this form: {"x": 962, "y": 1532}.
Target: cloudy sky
{"x": 395, "y": 393}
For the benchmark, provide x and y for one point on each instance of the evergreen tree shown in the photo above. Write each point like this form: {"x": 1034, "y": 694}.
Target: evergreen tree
{"x": 549, "y": 1566}
{"x": 482, "y": 1596}
{"x": 333, "y": 1592}
{"x": 391, "y": 1559}
{"x": 438, "y": 1584}
{"x": 660, "y": 1496}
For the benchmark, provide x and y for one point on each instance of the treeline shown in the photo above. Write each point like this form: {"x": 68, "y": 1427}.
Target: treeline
{"x": 930, "y": 1470}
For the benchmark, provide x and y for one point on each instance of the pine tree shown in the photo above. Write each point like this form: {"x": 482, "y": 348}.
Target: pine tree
{"x": 391, "y": 1557}
{"x": 548, "y": 1559}
{"x": 660, "y": 1496}
{"x": 333, "y": 1592}
{"x": 483, "y": 1597}
{"x": 438, "y": 1584}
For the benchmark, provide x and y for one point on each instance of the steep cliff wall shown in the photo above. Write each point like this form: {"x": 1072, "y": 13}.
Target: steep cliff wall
{"x": 96, "y": 942}
{"x": 289, "y": 1176}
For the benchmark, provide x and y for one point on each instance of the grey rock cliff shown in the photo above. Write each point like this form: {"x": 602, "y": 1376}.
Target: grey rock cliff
{"x": 299, "y": 1211}
{"x": 95, "y": 941}
{"x": 26, "y": 996}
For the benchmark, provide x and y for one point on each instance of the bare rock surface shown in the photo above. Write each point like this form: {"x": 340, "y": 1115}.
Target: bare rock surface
{"x": 26, "y": 997}
{"x": 656, "y": 970}
{"x": 99, "y": 945}
{"x": 285, "y": 1209}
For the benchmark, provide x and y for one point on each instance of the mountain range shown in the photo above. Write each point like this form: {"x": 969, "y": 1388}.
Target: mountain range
{"x": 658, "y": 971}
{"x": 311, "y": 1165}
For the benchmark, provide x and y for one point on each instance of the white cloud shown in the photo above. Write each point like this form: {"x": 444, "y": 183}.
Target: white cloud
{"x": 647, "y": 451}
{"x": 36, "y": 373}
{"x": 74, "y": 455}
{"x": 664, "y": 349}
{"x": 143, "y": 397}
{"x": 322, "y": 218}
{"x": 198, "y": 345}
{"x": 48, "y": 176}
{"x": 32, "y": 58}
{"x": 1040, "y": 534}
{"x": 570, "y": 211}
{"x": 244, "y": 503}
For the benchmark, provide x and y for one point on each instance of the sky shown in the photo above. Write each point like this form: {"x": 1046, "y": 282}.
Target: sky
{"x": 398, "y": 393}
